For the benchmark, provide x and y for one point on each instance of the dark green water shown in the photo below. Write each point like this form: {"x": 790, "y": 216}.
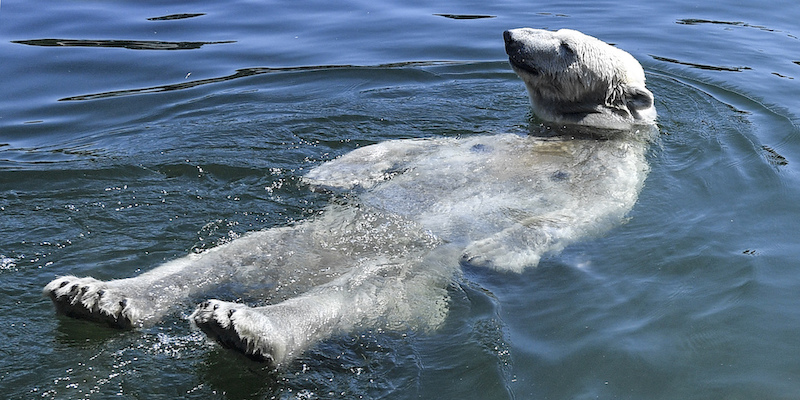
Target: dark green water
{"x": 132, "y": 133}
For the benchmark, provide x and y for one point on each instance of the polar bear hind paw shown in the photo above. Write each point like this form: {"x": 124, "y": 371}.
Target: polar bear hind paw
{"x": 90, "y": 299}
{"x": 234, "y": 326}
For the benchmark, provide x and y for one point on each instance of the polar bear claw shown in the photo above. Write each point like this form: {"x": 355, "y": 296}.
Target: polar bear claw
{"x": 236, "y": 326}
{"x": 91, "y": 299}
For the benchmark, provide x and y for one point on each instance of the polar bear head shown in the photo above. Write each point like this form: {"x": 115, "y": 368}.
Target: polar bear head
{"x": 576, "y": 79}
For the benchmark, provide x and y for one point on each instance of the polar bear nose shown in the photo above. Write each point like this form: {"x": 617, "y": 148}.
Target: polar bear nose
{"x": 507, "y": 36}
{"x": 517, "y": 54}
{"x": 512, "y": 46}
{"x": 515, "y": 45}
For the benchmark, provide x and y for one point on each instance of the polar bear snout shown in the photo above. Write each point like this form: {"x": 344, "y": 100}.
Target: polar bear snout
{"x": 518, "y": 55}
{"x": 538, "y": 50}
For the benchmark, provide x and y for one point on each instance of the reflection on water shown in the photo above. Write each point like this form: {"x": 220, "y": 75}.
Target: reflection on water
{"x": 175, "y": 16}
{"x": 692, "y": 21}
{"x": 700, "y": 66}
{"x": 242, "y": 73}
{"x": 773, "y": 157}
{"x": 465, "y": 16}
{"x": 125, "y": 44}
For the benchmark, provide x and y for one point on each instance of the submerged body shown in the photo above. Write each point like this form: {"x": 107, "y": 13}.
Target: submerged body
{"x": 502, "y": 200}
{"x": 404, "y": 216}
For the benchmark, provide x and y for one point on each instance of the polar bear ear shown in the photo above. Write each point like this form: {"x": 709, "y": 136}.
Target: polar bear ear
{"x": 638, "y": 98}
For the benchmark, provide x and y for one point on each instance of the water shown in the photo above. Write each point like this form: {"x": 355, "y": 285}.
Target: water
{"x": 143, "y": 132}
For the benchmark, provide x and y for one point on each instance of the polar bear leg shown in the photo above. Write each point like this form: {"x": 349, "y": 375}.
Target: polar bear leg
{"x": 274, "y": 334}
{"x": 280, "y": 332}
{"x": 293, "y": 254}
{"x": 126, "y": 303}
{"x": 376, "y": 293}
{"x": 121, "y": 303}
{"x": 89, "y": 298}
{"x": 141, "y": 300}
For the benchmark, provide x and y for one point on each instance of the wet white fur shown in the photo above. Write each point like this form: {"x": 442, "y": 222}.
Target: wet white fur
{"x": 575, "y": 78}
{"x": 406, "y": 215}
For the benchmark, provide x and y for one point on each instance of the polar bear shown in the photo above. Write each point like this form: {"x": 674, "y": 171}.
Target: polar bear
{"x": 405, "y": 215}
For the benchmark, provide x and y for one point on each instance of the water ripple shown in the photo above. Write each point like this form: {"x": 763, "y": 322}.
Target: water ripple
{"x": 700, "y": 66}
{"x": 242, "y": 73}
{"x": 465, "y": 16}
{"x": 693, "y": 21}
{"x": 124, "y": 44}
{"x": 175, "y": 16}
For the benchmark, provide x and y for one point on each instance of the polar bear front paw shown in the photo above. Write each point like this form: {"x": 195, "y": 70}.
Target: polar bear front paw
{"x": 484, "y": 253}
{"x": 239, "y": 327}
{"x": 91, "y": 299}
{"x": 493, "y": 254}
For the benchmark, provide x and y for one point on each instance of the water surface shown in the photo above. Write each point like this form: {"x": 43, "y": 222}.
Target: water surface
{"x": 135, "y": 132}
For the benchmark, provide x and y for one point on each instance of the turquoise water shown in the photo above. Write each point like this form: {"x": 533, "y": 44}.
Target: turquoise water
{"x": 132, "y": 133}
